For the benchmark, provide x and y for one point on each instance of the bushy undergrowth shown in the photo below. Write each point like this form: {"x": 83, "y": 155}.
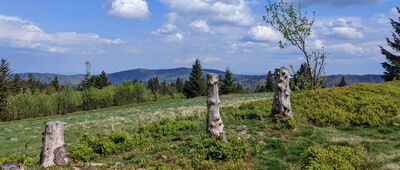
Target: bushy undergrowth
{"x": 37, "y": 104}
{"x": 332, "y": 157}
{"x": 359, "y": 104}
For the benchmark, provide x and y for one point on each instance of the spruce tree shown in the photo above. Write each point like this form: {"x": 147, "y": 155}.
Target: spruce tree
{"x": 269, "y": 84}
{"x": 196, "y": 85}
{"x": 102, "y": 80}
{"x": 4, "y": 84}
{"x": 227, "y": 83}
{"x": 179, "y": 85}
{"x": 392, "y": 66}
{"x": 342, "y": 82}
{"x": 16, "y": 84}
{"x": 55, "y": 84}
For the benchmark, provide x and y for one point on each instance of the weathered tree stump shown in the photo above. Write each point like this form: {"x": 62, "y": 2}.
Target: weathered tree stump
{"x": 281, "y": 104}
{"x": 11, "y": 166}
{"x": 215, "y": 127}
{"x": 53, "y": 149}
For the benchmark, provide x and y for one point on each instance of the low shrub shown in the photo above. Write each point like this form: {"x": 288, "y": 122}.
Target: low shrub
{"x": 332, "y": 157}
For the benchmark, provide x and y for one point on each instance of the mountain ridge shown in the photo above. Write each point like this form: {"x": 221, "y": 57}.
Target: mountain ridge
{"x": 171, "y": 74}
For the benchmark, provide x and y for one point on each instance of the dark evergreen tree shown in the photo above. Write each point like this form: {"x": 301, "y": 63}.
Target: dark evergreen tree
{"x": 342, "y": 82}
{"x": 179, "y": 85}
{"x": 196, "y": 85}
{"x": 227, "y": 85}
{"x": 269, "y": 83}
{"x": 17, "y": 84}
{"x": 55, "y": 84}
{"x": 164, "y": 88}
{"x": 300, "y": 79}
{"x": 101, "y": 81}
{"x": 392, "y": 65}
{"x": 154, "y": 85}
{"x": 4, "y": 84}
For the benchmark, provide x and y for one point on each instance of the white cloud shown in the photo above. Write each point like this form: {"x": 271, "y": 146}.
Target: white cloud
{"x": 176, "y": 38}
{"x": 264, "y": 33}
{"x": 129, "y": 8}
{"x": 200, "y": 26}
{"x": 211, "y": 59}
{"x": 346, "y": 27}
{"x": 166, "y": 29}
{"x": 319, "y": 43}
{"x": 220, "y": 12}
{"x": 16, "y": 32}
{"x": 347, "y": 48}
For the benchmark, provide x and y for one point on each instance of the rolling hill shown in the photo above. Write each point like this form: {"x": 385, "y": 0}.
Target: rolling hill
{"x": 170, "y": 75}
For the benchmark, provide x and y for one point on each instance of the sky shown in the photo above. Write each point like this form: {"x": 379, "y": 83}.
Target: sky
{"x": 48, "y": 36}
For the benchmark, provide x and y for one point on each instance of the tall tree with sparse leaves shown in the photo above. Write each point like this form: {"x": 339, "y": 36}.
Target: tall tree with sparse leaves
{"x": 296, "y": 27}
{"x": 392, "y": 65}
{"x": 196, "y": 85}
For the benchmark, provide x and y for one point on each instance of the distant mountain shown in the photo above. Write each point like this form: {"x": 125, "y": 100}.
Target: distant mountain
{"x": 333, "y": 80}
{"x": 170, "y": 75}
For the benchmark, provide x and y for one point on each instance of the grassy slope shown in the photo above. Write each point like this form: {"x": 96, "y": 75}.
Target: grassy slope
{"x": 14, "y": 135}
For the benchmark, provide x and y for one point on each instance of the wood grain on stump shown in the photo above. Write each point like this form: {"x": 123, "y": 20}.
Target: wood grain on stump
{"x": 215, "y": 126}
{"x": 53, "y": 149}
{"x": 281, "y": 104}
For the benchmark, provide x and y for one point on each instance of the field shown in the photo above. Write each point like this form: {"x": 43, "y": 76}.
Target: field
{"x": 353, "y": 127}
{"x": 14, "y": 135}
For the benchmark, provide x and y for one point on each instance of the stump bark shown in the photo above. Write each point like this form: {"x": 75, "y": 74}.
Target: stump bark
{"x": 215, "y": 126}
{"x": 53, "y": 150}
{"x": 281, "y": 104}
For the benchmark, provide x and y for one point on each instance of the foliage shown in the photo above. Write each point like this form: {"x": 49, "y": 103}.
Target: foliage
{"x": 359, "y": 104}
{"x": 333, "y": 157}
{"x": 196, "y": 86}
{"x": 342, "y": 82}
{"x": 227, "y": 85}
{"x": 296, "y": 27}
{"x": 392, "y": 65}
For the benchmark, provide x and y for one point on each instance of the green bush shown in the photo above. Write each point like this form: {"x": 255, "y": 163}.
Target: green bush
{"x": 359, "y": 104}
{"x": 81, "y": 152}
{"x": 332, "y": 157}
{"x": 284, "y": 123}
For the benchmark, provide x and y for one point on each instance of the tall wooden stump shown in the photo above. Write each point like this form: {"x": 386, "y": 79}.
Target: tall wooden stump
{"x": 53, "y": 149}
{"x": 281, "y": 104}
{"x": 215, "y": 127}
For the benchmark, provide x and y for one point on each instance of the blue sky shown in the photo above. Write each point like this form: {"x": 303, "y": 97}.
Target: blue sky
{"x": 115, "y": 35}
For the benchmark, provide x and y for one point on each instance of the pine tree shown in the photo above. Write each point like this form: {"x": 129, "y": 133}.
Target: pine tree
{"x": 102, "y": 80}
{"x": 55, "y": 84}
{"x": 269, "y": 84}
{"x": 342, "y": 82}
{"x": 154, "y": 85}
{"x": 196, "y": 85}
{"x": 392, "y": 66}
{"x": 4, "y": 84}
{"x": 179, "y": 85}
{"x": 227, "y": 83}
{"x": 16, "y": 84}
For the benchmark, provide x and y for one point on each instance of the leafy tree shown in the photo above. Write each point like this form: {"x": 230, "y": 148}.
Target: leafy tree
{"x": 342, "y": 82}
{"x": 55, "y": 84}
{"x": 4, "y": 83}
{"x": 227, "y": 85}
{"x": 102, "y": 80}
{"x": 392, "y": 65}
{"x": 300, "y": 78}
{"x": 296, "y": 27}
{"x": 196, "y": 85}
{"x": 269, "y": 84}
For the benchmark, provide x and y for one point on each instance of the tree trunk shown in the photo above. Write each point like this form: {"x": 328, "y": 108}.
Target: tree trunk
{"x": 215, "y": 127}
{"x": 281, "y": 104}
{"x": 53, "y": 150}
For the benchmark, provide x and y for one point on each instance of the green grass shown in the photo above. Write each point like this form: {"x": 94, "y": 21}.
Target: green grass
{"x": 181, "y": 143}
{"x": 14, "y": 135}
